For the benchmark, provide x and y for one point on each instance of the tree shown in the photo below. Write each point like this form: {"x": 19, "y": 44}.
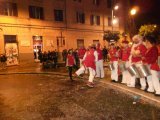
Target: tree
{"x": 150, "y": 29}
{"x": 108, "y": 35}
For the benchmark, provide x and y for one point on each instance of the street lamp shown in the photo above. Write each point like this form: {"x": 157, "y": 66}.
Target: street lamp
{"x": 114, "y": 20}
{"x": 133, "y": 12}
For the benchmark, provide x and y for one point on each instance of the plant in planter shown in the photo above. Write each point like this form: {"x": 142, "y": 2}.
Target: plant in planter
{"x": 109, "y": 36}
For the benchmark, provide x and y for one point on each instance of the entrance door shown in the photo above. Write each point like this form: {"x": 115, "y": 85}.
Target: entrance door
{"x": 11, "y": 49}
{"x": 37, "y": 45}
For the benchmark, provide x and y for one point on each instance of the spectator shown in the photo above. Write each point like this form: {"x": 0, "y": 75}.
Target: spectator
{"x": 105, "y": 54}
{"x": 70, "y": 62}
{"x": 3, "y": 60}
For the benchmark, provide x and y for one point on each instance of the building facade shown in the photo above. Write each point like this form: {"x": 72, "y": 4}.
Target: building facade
{"x": 28, "y": 25}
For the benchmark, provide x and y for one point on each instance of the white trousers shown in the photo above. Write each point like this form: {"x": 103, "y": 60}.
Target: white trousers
{"x": 125, "y": 74}
{"x": 92, "y": 72}
{"x": 80, "y": 62}
{"x": 142, "y": 80}
{"x": 153, "y": 82}
{"x": 99, "y": 69}
{"x": 114, "y": 73}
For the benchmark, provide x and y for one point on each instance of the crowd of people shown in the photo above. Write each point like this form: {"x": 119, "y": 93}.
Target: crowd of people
{"x": 143, "y": 52}
{"x": 48, "y": 59}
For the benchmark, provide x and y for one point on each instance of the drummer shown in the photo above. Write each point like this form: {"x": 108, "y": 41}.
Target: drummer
{"x": 114, "y": 56}
{"x": 138, "y": 51}
{"x": 125, "y": 53}
{"x": 151, "y": 57}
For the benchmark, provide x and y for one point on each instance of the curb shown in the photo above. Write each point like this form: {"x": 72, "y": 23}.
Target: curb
{"x": 144, "y": 97}
{"x": 54, "y": 73}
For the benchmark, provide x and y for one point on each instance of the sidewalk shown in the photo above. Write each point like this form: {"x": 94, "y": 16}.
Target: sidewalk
{"x": 35, "y": 68}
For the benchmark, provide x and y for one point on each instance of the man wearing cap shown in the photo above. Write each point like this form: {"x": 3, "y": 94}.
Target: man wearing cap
{"x": 99, "y": 63}
{"x": 125, "y": 53}
{"x": 138, "y": 51}
{"x": 89, "y": 60}
{"x": 114, "y": 56}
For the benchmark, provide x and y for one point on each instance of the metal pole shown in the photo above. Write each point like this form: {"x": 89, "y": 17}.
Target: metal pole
{"x": 112, "y": 20}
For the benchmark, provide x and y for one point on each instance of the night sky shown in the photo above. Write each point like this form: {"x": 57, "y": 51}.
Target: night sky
{"x": 149, "y": 12}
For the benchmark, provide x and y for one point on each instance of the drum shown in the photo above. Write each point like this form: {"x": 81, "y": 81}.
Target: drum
{"x": 122, "y": 67}
{"x": 111, "y": 66}
{"x": 144, "y": 71}
{"x": 133, "y": 70}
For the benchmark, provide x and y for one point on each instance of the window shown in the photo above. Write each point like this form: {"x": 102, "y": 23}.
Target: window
{"x": 95, "y": 20}
{"x": 95, "y": 42}
{"x": 80, "y": 17}
{"x": 60, "y": 41}
{"x": 36, "y": 12}
{"x": 109, "y": 3}
{"x": 109, "y": 21}
{"x": 10, "y": 39}
{"x": 58, "y": 15}
{"x": 96, "y": 2}
{"x": 8, "y": 9}
{"x": 80, "y": 43}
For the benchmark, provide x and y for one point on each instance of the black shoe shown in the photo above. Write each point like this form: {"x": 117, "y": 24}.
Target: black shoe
{"x": 157, "y": 94}
{"x": 113, "y": 81}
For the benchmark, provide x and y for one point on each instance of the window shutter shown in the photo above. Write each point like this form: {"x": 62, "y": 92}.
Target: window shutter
{"x": 91, "y": 19}
{"x": 98, "y": 20}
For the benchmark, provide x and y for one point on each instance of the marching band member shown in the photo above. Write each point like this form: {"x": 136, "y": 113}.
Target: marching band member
{"x": 81, "y": 53}
{"x": 150, "y": 59}
{"x": 89, "y": 59}
{"x": 125, "y": 53}
{"x": 138, "y": 51}
{"x": 114, "y": 54}
{"x": 99, "y": 63}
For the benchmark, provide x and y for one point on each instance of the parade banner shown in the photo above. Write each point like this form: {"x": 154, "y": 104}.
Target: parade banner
{"x": 11, "y": 54}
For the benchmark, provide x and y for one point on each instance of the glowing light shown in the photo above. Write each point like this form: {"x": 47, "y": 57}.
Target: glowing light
{"x": 115, "y": 21}
{"x": 116, "y": 7}
{"x": 133, "y": 11}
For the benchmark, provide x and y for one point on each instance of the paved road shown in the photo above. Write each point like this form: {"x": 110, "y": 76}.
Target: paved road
{"x": 54, "y": 97}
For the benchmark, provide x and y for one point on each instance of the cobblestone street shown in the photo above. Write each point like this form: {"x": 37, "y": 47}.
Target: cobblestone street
{"x": 54, "y": 97}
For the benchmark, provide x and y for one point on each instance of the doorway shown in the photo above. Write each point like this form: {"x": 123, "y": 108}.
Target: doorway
{"x": 37, "y": 46}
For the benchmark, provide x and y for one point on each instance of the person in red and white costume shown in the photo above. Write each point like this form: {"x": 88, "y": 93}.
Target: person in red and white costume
{"x": 125, "y": 53}
{"x": 114, "y": 57}
{"x": 150, "y": 59}
{"x": 81, "y": 52}
{"x": 99, "y": 63}
{"x": 138, "y": 51}
{"x": 89, "y": 62}
{"x": 70, "y": 62}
